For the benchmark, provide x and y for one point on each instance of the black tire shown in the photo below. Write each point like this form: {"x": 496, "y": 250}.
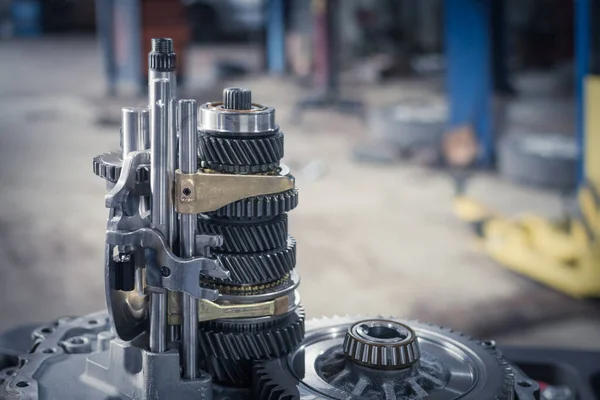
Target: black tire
{"x": 409, "y": 124}
{"x": 541, "y": 160}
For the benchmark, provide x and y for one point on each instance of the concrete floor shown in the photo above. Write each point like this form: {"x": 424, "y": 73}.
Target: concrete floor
{"x": 372, "y": 239}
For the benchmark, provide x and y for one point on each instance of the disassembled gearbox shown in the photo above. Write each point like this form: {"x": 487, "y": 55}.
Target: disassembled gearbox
{"x": 201, "y": 285}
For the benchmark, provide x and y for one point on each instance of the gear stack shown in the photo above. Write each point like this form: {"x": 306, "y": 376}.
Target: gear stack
{"x": 201, "y": 285}
{"x": 236, "y": 136}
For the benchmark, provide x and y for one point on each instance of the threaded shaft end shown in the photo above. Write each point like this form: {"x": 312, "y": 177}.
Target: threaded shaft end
{"x": 237, "y": 99}
{"x": 162, "y": 45}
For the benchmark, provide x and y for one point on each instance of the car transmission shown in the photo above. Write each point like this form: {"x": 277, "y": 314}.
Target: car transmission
{"x": 202, "y": 289}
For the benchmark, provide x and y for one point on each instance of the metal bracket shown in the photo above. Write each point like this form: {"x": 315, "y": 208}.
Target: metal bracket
{"x": 208, "y": 311}
{"x": 204, "y": 192}
{"x": 171, "y": 272}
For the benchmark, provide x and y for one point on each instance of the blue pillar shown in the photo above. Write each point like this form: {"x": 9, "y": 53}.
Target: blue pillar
{"x": 582, "y": 69}
{"x": 275, "y": 37}
{"x": 469, "y": 69}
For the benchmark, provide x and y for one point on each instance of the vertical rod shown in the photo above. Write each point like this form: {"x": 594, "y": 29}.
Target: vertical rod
{"x": 135, "y": 129}
{"x": 188, "y": 164}
{"x": 159, "y": 187}
{"x": 583, "y": 14}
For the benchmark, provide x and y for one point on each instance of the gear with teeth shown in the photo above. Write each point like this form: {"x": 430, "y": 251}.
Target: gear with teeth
{"x": 260, "y": 206}
{"x": 244, "y": 237}
{"x": 323, "y": 371}
{"x": 247, "y": 342}
{"x": 249, "y": 155}
{"x": 259, "y": 268}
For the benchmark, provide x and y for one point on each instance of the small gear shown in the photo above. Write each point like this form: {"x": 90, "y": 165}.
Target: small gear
{"x": 259, "y": 268}
{"x": 240, "y": 152}
{"x": 265, "y": 206}
{"x": 108, "y": 166}
{"x": 245, "y": 342}
{"x": 243, "y": 237}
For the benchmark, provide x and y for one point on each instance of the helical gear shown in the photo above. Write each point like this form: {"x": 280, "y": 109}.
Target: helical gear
{"x": 258, "y": 154}
{"x": 244, "y": 237}
{"x": 266, "y": 206}
{"x": 244, "y": 343}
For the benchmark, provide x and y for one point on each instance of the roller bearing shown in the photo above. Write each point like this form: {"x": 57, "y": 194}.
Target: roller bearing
{"x": 242, "y": 342}
{"x": 260, "y": 206}
{"x": 240, "y": 152}
{"x": 259, "y": 268}
{"x": 244, "y": 237}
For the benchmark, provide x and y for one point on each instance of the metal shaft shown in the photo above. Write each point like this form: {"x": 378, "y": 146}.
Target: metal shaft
{"x": 135, "y": 129}
{"x": 161, "y": 199}
{"x": 188, "y": 164}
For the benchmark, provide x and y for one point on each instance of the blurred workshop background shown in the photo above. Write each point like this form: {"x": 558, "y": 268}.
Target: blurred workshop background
{"x": 447, "y": 151}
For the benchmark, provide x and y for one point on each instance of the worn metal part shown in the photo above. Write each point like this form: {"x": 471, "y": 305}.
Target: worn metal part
{"x": 201, "y": 192}
{"x": 452, "y": 366}
{"x": 381, "y": 344}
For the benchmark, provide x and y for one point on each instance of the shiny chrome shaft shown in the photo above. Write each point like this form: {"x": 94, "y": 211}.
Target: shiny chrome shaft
{"x": 188, "y": 164}
{"x": 135, "y": 129}
{"x": 161, "y": 200}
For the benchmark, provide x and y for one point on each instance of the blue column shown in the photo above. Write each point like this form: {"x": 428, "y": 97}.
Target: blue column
{"x": 469, "y": 69}
{"x": 582, "y": 68}
{"x": 275, "y": 37}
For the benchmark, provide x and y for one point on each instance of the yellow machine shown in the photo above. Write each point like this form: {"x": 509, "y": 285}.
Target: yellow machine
{"x": 562, "y": 254}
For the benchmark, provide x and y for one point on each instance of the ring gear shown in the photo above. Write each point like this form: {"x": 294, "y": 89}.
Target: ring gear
{"x": 243, "y": 237}
{"x": 265, "y": 206}
{"x": 292, "y": 377}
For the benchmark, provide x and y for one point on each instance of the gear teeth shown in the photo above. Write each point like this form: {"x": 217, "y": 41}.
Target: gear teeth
{"x": 270, "y": 342}
{"x": 260, "y": 206}
{"x": 108, "y": 166}
{"x": 264, "y": 388}
{"x": 247, "y": 238}
{"x": 258, "y": 268}
{"x": 240, "y": 151}
{"x": 238, "y": 373}
{"x": 240, "y": 169}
